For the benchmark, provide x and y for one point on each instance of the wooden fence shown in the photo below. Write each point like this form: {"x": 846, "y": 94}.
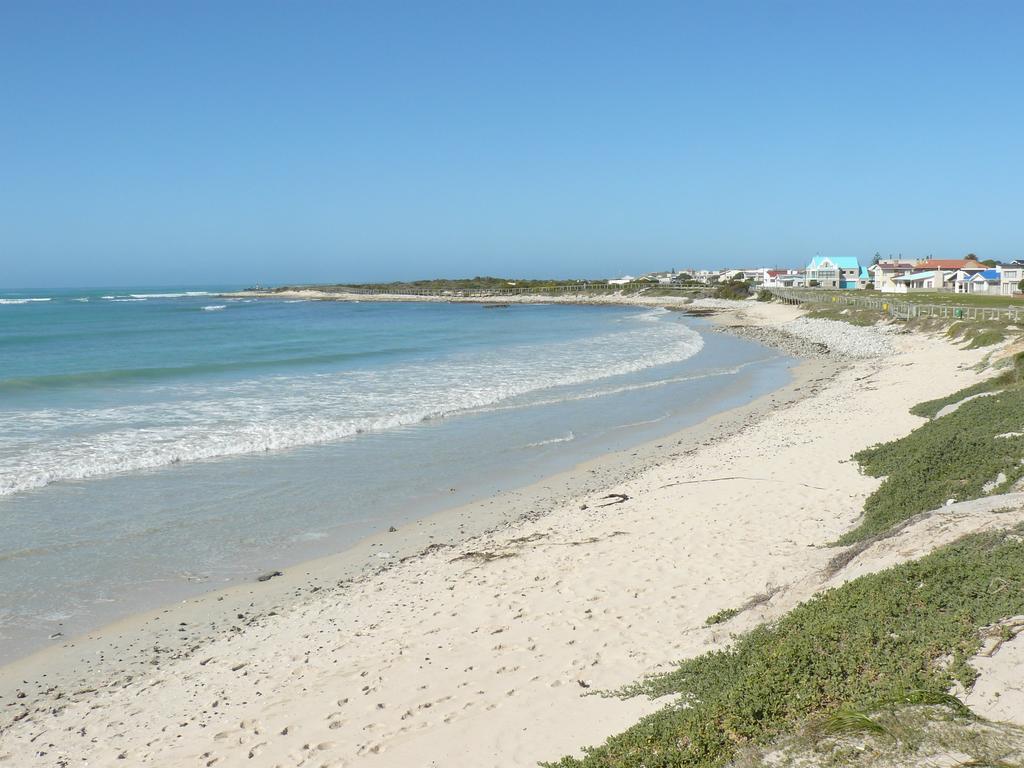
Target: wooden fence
{"x": 902, "y": 310}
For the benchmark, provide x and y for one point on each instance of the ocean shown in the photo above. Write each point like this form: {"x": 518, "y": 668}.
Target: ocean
{"x": 159, "y": 442}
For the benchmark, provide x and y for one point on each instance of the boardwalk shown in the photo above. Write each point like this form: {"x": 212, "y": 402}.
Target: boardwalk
{"x": 902, "y": 310}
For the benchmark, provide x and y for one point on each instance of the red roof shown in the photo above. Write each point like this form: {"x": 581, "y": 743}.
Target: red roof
{"x": 950, "y": 264}
{"x": 892, "y": 265}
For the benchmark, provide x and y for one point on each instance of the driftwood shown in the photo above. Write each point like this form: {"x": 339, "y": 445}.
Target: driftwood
{"x": 753, "y": 479}
{"x": 618, "y": 498}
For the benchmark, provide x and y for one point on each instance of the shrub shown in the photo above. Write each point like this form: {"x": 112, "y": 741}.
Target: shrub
{"x": 765, "y": 295}
{"x": 734, "y": 289}
{"x": 986, "y": 338}
{"x": 948, "y": 458}
{"x": 876, "y": 638}
{"x": 722, "y": 616}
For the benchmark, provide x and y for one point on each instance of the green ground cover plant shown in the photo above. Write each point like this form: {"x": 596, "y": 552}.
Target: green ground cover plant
{"x": 1015, "y": 376}
{"x": 878, "y": 638}
{"x": 721, "y": 616}
{"x": 734, "y": 289}
{"x": 952, "y": 457}
{"x": 978, "y": 333}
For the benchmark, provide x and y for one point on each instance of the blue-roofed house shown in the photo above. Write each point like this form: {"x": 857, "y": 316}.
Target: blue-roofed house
{"x": 835, "y": 272}
{"x": 984, "y": 282}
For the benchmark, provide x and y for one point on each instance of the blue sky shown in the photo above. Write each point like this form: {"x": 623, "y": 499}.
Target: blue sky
{"x": 195, "y": 142}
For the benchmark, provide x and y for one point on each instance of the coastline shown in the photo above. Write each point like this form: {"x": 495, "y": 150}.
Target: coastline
{"x": 444, "y": 528}
{"x": 506, "y": 547}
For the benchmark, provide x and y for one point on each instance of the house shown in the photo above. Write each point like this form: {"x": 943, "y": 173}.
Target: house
{"x": 959, "y": 281}
{"x": 987, "y": 281}
{"x": 930, "y": 280}
{"x": 793, "y": 279}
{"x": 834, "y": 272}
{"x": 624, "y": 280}
{"x": 773, "y": 278}
{"x": 705, "y": 276}
{"x": 884, "y": 272}
{"x": 1010, "y": 276}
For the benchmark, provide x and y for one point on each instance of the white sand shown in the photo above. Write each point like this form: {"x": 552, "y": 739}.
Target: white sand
{"x": 463, "y": 659}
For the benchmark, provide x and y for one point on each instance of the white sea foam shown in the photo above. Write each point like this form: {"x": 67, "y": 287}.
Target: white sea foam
{"x": 214, "y": 307}
{"x": 182, "y": 295}
{"x": 24, "y": 301}
{"x": 568, "y": 438}
{"x": 145, "y": 296}
{"x": 192, "y": 422}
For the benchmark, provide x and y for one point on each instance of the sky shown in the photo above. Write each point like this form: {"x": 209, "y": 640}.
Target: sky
{"x": 239, "y": 142}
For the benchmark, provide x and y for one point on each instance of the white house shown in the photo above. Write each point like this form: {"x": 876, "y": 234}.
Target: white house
{"x": 783, "y": 278}
{"x": 987, "y": 281}
{"x": 1010, "y": 276}
{"x": 885, "y": 272}
{"x": 704, "y": 276}
{"x": 624, "y": 280}
{"x": 918, "y": 281}
{"x": 836, "y": 272}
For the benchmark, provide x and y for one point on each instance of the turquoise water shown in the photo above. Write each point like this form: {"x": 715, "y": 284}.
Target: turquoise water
{"x": 156, "y": 442}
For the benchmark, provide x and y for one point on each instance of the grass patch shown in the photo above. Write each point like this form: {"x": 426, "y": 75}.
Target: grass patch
{"x": 737, "y": 290}
{"x": 906, "y": 735}
{"x": 930, "y": 408}
{"x": 849, "y": 314}
{"x": 722, "y": 616}
{"x": 986, "y": 338}
{"x": 727, "y": 613}
{"x": 877, "y": 637}
{"x": 948, "y": 458}
{"x": 977, "y": 333}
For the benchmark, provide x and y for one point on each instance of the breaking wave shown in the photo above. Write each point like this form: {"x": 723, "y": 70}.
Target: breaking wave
{"x": 204, "y": 420}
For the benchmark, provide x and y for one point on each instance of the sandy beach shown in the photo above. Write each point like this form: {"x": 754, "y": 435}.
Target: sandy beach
{"x": 476, "y": 637}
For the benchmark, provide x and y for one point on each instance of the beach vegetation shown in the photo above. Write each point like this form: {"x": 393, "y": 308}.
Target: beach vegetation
{"x": 721, "y": 616}
{"x": 765, "y": 295}
{"x": 734, "y": 289}
{"x": 972, "y": 452}
{"x": 848, "y": 314}
{"x": 907, "y": 735}
{"x": 882, "y": 641}
{"x": 986, "y": 338}
{"x": 1013, "y": 377}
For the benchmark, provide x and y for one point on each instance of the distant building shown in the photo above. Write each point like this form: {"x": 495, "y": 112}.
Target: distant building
{"x": 1010, "y": 276}
{"x": 986, "y": 281}
{"x": 835, "y": 272}
{"x": 886, "y": 271}
{"x": 929, "y": 280}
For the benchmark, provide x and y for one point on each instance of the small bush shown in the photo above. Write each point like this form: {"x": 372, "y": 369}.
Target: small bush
{"x": 734, "y": 289}
{"x": 930, "y": 408}
{"x": 986, "y": 339}
{"x": 722, "y": 616}
{"x": 765, "y": 295}
{"x": 876, "y": 638}
{"x": 948, "y": 458}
